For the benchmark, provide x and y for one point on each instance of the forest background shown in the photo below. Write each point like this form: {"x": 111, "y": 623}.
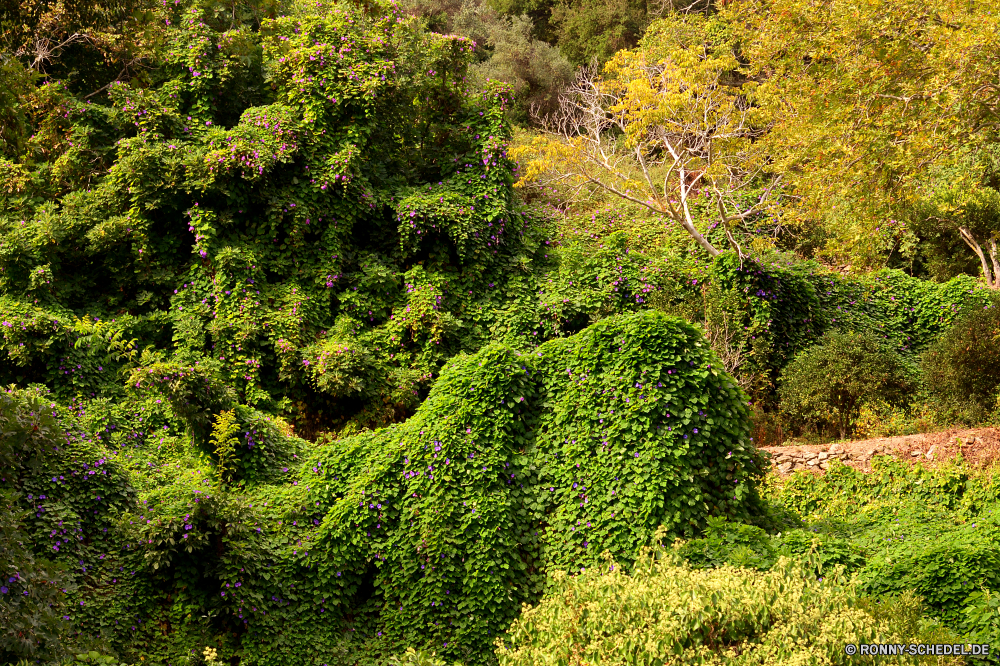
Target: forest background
{"x": 262, "y": 264}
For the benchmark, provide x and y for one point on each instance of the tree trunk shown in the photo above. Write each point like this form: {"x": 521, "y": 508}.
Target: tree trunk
{"x": 990, "y": 276}
{"x": 701, "y": 240}
{"x": 996, "y": 267}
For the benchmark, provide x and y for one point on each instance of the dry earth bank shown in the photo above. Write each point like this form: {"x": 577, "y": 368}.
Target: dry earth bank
{"x": 979, "y": 447}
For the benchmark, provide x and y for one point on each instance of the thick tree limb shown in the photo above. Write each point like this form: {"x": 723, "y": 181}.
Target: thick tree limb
{"x": 971, "y": 241}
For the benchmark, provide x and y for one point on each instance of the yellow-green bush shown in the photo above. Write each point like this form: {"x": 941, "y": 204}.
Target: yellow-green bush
{"x": 665, "y": 612}
{"x": 878, "y": 418}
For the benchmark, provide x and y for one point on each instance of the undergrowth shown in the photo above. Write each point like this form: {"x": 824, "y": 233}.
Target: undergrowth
{"x": 899, "y": 529}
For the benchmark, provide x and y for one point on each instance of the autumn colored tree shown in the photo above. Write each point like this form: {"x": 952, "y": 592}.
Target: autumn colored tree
{"x": 663, "y": 125}
{"x": 868, "y": 99}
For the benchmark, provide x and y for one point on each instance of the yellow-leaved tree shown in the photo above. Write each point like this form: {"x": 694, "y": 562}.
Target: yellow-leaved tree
{"x": 664, "y": 125}
{"x": 878, "y": 108}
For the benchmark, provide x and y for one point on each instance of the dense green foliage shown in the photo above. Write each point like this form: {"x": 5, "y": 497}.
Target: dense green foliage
{"x": 583, "y": 30}
{"x": 60, "y": 492}
{"x": 30, "y": 589}
{"x": 899, "y": 529}
{"x": 508, "y": 49}
{"x": 345, "y": 199}
{"x": 294, "y": 376}
{"x": 963, "y": 366}
{"x": 826, "y": 384}
{"x": 429, "y": 533}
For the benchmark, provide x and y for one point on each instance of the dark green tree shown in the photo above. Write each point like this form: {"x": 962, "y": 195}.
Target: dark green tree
{"x": 827, "y": 384}
{"x": 963, "y": 367}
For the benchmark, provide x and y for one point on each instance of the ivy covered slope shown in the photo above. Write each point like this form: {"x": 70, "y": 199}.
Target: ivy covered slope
{"x": 429, "y": 533}
{"x": 785, "y": 305}
{"x": 316, "y": 209}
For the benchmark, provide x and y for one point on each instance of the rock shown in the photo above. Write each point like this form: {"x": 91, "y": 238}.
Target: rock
{"x": 786, "y": 467}
{"x": 824, "y": 465}
{"x": 824, "y": 455}
{"x": 836, "y": 448}
{"x": 813, "y": 462}
{"x": 916, "y": 453}
{"x": 930, "y": 452}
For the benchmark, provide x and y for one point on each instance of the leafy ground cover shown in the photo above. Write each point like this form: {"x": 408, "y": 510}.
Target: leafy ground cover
{"x": 839, "y": 558}
{"x": 432, "y": 532}
{"x": 899, "y": 527}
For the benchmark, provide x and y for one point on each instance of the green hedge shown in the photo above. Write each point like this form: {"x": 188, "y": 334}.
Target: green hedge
{"x": 788, "y": 304}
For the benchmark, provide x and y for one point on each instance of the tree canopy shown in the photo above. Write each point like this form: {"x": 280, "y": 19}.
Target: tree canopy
{"x": 867, "y": 99}
{"x": 223, "y": 207}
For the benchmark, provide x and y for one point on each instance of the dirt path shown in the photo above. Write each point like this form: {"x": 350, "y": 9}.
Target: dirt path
{"x": 978, "y": 446}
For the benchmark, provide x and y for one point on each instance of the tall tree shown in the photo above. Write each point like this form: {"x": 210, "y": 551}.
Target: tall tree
{"x": 663, "y": 125}
{"x": 867, "y": 97}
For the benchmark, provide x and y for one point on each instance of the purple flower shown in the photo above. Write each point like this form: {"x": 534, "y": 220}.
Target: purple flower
{"x": 3, "y": 590}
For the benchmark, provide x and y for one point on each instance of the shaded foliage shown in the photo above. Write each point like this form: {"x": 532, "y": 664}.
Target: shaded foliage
{"x": 963, "y": 367}
{"x": 826, "y": 384}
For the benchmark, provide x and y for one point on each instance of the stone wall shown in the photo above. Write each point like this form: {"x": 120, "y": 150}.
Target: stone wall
{"x": 976, "y": 446}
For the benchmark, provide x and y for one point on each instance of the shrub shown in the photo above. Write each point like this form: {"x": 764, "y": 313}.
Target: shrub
{"x": 417, "y": 658}
{"x": 536, "y": 71}
{"x": 640, "y": 421}
{"x": 982, "y": 616}
{"x": 587, "y": 30}
{"x": 743, "y": 546}
{"x": 507, "y": 50}
{"x": 826, "y": 384}
{"x": 665, "y": 612}
{"x": 788, "y": 304}
{"x": 750, "y": 547}
{"x": 97, "y": 659}
{"x": 944, "y": 572}
{"x": 194, "y": 393}
{"x": 341, "y": 245}
{"x": 964, "y": 365}
{"x": 830, "y": 551}
{"x": 877, "y": 418}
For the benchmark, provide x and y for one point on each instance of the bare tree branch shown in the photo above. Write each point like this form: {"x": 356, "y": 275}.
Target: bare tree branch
{"x": 685, "y": 126}
{"x": 970, "y": 240}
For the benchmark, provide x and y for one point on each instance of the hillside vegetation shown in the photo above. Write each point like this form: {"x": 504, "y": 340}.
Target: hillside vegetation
{"x": 392, "y": 333}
